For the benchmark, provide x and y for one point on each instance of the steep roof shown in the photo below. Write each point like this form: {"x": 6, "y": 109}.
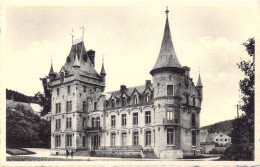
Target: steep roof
{"x": 86, "y": 67}
{"x": 51, "y": 70}
{"x": 199, "y": 83}
{"x": 103, "y": 72}
{"x": 167, "y": 56}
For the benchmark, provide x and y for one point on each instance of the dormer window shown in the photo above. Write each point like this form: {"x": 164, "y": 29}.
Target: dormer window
{"x": 113, "y": 103}
{"x": 146, "y": 97}
{"x": 123, "y": 101}
{"x": 135, "y": 99}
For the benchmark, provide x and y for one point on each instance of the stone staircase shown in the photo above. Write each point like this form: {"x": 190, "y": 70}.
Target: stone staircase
{"x": 149, "y": 155}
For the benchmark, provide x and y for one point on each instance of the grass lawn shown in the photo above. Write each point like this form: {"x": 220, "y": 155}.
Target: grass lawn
{"x": 31, "y": 158}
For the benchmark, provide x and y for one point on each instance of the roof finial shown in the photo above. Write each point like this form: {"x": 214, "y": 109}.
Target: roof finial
{"x": 167, "y": 11}
{"x": 103, "y": 72}
{"x": 83, "y": 29}
{"x": 72, "y": 35}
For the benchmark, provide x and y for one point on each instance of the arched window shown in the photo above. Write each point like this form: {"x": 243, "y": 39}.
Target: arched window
{"x": 135, "y": 99}
{"x": 98, "y": 122}
{"x": 193, "y": 120}
{"x": 93, "y": 122}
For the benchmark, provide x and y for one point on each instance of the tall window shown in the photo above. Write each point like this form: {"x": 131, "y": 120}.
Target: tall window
{"x": 84, "y": 141}
{"x": 123, "y": 119}
{"x": 113, "y": 120}
{"x": 146, "y": 97}
{"x": 194, "y": 101}
{"x": 58, "y": 91}
{"x": 58, "y": 108}
{"x": 148, "y": 117}
{"x": 170, "y": 136}
{"x": 113, "y": 103}
{"x": 113, "y": 139}
{"x": 169, "y": 90}
{"x": 135, "y": 139}
{"x": 68, "y": 89}
{"x": 84, "y": 89}
{"x": 85, "y": 106}
{"x": 68, "y": 123}
{"x": 193, "y": 138}
{"x": 135, "y": 118}
{"x": 58, "y": 124}
{"x": 93, "y": 122}
{"x": 69, "y": 106}
{"x": 187, "y": 99}
{"x": 84, "y": 122}
{"x": 148, "y": 138}
{"x": 95, "y": 141}
{"x": 124, "y": 139}
{"x": 69, "y": 140}
{"x": 135, "y": 99}
{"x": 123, "y": 101}
{"x": 57, "y": 141}
{"x": 98, "y": 122}
{"x": 95, "y": 105}
{"x": 169, "y": 114}
{"x": 193, "y": 120}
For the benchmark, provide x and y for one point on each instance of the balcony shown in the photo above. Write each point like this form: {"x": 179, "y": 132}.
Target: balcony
{"x": 171, "y": 122}
{"x": 93, "y": 129}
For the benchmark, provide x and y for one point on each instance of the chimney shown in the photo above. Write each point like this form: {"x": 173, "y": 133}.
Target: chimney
{"x": 122, "y": 87}
{"x": 148, "y": 82}
{"x": 91, "y": 55}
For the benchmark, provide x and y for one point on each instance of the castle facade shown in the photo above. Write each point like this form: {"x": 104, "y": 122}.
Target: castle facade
{"x": 161, "y": 117}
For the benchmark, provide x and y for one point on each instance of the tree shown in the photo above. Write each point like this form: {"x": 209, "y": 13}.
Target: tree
{"x": 242, "y": 147}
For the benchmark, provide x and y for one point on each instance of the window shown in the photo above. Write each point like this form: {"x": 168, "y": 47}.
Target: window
{"x": 169, "y": 113}
{"x": 58, "y": 108}
{"x": 84, "y": 141}
{"x": 225, "y": 139}
{"x": 69, "y": 140}
{"x": 113, "y": 102}
{"x": 194, "y": 101}
{"x": 113, "y": 120}
{"x": 147, "y": 138}
{"x": 216, "y": 139}
{"x": 57, "y": 141}
{"x": 123, "y": 119}
{"x": 95, "y": 105}
{"x": 220, "y": 135}
{"x": 58, "y": 124}
{"x": 85, "y": 106}
{"x": 84, "y": 122}
{"x": 170, "y": 136}
{"x": 84, "y": 89}
{"x": 135, "y": 100}
{"x": 193, "y": 120}
{"x": 148, "y": 117}
{"x": 58, "y": 91}
{"x": 193, "y": 138}
{"x": 95, "y": 141}
{"x": 68, "y": 123}
{"x": 146, "y": 97}
{"x": 187, "y": 99}
{"x": 135, "y": 139}
{"x": 69, "y": 106}
{"x": 123, "y": 101}
{"x": 113, "y": 139}
{"x": 98, "y": 122}
{"x": 169, "y": 90}
{"x": 93, "y": 122}
{"x": 68, "y": 89}
{"x": 135, "y": 118}
{"x": 124, "y": 139}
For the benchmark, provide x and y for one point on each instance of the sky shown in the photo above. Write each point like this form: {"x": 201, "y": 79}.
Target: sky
{"x": 207, "y": 37}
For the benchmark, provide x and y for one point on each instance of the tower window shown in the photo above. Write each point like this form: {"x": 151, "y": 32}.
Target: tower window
{"x": 169, "y": 90}
{"x": 170, "y": 136}
{"x": 84, "y": 122}
{"x": 169, "y": 113}
{"x": 193, "y": 138}
{"x": 135, "y": 118}
{"x": 69, "y": 106}
{"x": 95, "y": 105}
{"x": 84, "y": 89}
{"x": 193, "y": 120}
{"x": 194, "y": 101}
{"x": 187, "y": 99}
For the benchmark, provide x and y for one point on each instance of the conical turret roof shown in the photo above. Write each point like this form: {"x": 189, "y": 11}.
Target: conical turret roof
{"x": 103, "y": 72}
{"x": 199, "y": 83}
{"x": 167, "y": 56}
{"x": 51, "y": 70}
